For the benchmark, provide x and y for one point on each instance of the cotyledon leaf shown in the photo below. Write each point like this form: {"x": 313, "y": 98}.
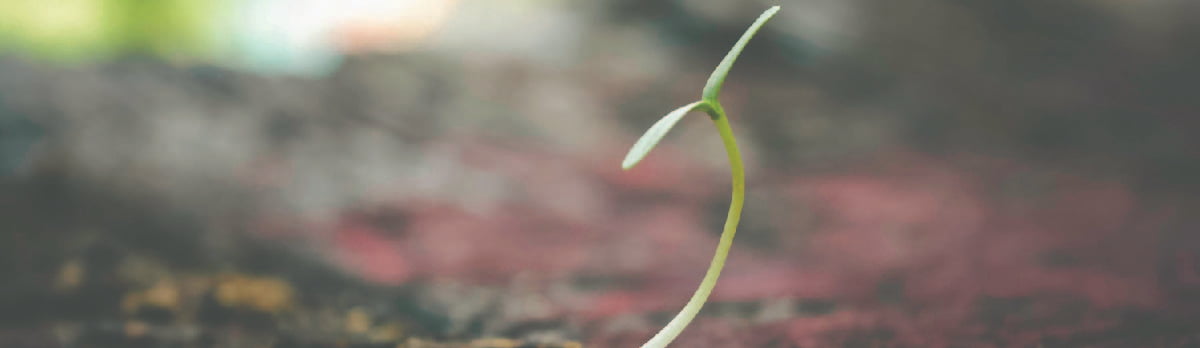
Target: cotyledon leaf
{"x": 656, "y": 133}
{"x": 717, "y": 79}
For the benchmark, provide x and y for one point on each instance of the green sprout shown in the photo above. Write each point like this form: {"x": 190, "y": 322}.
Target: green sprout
{"x": 710, "y": 105}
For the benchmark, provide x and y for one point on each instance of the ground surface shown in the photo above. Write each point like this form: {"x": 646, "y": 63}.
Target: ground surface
{"x": 129, "y": 277}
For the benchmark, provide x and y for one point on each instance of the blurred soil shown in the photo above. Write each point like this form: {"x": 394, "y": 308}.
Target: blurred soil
{"x": 106, "y": 270}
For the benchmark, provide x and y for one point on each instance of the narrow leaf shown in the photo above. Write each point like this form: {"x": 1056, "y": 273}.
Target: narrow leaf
{"x": 717, "y": 79}
{"x": 656, "y": 133}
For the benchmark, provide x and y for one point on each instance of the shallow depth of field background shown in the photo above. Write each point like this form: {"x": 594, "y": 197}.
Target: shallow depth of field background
{"x": 927, "y": 173}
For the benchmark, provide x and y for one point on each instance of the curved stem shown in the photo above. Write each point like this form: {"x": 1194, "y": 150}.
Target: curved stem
{"x": 738, "y": 176}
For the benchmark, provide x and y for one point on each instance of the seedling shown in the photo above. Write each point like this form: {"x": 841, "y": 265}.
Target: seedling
{"x": 709, "y": 104}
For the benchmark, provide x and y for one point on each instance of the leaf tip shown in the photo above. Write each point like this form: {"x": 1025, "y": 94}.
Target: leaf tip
{"x": 632, "y": 159}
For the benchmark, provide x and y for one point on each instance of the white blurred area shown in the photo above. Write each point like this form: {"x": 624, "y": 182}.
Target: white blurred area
{"x": 312, "y": 36}
{"x": 309, "y": 36}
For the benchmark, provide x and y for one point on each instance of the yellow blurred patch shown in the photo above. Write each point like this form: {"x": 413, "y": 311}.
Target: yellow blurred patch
{"x": 70, "y": 275}
{"x": 163, "y": 295}
{"x": 265, "y": 294}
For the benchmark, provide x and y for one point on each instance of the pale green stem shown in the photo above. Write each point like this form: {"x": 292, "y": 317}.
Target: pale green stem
{"x": 738, "y": 175}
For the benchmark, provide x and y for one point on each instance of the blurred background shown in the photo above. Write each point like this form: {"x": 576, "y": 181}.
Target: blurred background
{"x": 445, "y": 173}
